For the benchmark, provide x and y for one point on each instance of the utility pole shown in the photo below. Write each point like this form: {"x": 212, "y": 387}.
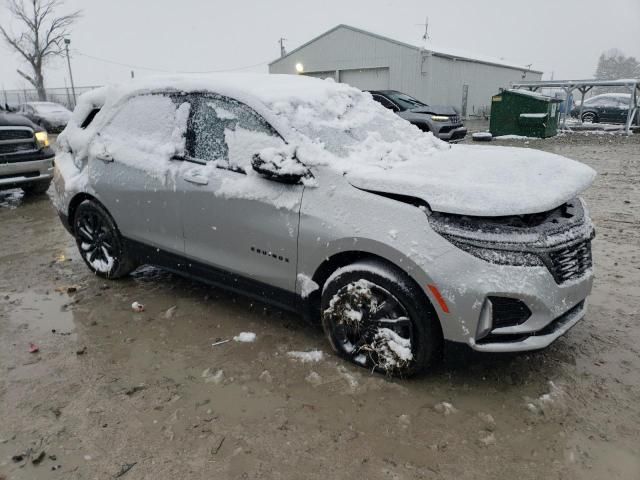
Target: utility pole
{"x": 426, "y": 37}
{"x": 67, "y": 41}
{"x": 283, "y": 52}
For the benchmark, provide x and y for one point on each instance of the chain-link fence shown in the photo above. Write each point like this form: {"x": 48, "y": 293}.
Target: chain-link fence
{"x": 63, "y": 96}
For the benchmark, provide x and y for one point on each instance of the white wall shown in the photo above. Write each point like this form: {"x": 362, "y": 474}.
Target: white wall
{"x": 431, "y": 78}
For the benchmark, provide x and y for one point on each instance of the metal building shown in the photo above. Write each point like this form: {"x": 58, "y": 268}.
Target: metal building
{"x": 373, "y": 62}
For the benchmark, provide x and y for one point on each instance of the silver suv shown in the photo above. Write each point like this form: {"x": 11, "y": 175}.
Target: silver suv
{"x": 311, "y": 196}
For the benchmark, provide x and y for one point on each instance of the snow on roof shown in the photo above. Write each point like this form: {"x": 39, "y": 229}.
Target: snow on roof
{"x": 529, "y": 93}
{"x": 265, "y": 88}
{"x": 435, "y": 50}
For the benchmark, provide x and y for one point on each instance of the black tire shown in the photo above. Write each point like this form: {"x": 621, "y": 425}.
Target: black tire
{"x": 99, "y": 241}
{"x": 589, "y": 117}
{"x": 359, "y": 333}
{"x": 37, "y": 188}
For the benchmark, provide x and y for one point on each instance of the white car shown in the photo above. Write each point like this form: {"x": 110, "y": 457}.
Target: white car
{"x": 310, "y": 195}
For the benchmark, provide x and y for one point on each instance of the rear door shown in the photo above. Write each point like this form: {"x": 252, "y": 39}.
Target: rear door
{"x": 234, "y": 220}
{"x": 132, "y": 171}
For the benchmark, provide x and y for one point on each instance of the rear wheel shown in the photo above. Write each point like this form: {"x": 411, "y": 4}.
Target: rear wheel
{"x": 100, "y": 244}
{"x": 589, "y": 117}
{"x": 37, "y": 188}
{"x": 375, "y": 317}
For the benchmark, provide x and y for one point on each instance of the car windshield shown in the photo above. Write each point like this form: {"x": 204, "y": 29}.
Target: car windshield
{"x": 349, "y": 121}
{"x": 405, "y": 101}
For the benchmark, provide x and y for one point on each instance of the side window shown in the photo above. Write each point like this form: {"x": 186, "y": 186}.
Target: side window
{"x": 227, "y": 132}
{"x": 147, "y": 131}
{"x": 385, "y": 102}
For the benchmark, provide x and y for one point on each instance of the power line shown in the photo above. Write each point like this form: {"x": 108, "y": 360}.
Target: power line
{"x": 138, "y": 67}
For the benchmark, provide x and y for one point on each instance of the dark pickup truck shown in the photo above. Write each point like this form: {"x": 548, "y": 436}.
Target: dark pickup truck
{"x": 26, "y": 159}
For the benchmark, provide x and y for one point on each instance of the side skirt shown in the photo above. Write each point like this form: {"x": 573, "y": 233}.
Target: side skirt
{"x": 217, "y": 277}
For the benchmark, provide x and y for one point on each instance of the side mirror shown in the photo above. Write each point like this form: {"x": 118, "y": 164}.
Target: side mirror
{"x": 280, "y": 165}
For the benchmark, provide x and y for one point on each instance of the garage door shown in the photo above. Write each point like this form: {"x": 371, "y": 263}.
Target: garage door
{"x": 366, "y": 78}
{"x": 322, "y": 75}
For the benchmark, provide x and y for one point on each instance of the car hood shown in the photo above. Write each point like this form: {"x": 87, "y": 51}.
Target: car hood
{"x": 15, "y": 120}
{"x": 435, "y": 110}
{"x": 56, "y": 118}
{"x": 481, "y": 181}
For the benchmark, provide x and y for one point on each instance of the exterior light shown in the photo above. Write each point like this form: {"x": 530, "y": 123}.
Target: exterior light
{"x": 299, "y": 68}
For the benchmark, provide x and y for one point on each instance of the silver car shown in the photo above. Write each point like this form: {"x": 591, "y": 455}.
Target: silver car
{"x": 309, "y": 195}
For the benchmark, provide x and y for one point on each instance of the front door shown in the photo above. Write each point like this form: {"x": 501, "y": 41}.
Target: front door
{"x": 234, "y": 220}
{"x": 131, "y": 170}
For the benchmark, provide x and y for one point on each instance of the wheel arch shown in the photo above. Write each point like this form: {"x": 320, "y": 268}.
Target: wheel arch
{"x": 311, "y": 306}
{"x": 76, "y": 201}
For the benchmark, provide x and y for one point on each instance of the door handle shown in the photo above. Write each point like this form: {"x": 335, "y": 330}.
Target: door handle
{"x": 196, "y": 178}
{"x": 105, "y": 157}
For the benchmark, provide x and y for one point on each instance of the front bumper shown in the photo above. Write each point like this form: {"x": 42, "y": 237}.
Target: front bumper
{"x": 466, "y": 282}
{"x": 450, "y": 135}
{"x": 20, "y": 173}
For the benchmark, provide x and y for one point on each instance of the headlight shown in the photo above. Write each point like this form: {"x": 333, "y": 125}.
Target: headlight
{"x": 439, "y": 118}
{"x": 42, "y": 139}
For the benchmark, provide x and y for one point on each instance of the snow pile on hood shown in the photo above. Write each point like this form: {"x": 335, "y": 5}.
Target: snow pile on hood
{"x": 483, "y": 180}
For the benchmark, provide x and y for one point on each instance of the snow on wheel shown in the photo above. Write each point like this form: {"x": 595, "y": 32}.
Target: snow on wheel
{"x": 99, "y": 242}
{"x": 375, "y": 318}
{"x": 589, "y": 117}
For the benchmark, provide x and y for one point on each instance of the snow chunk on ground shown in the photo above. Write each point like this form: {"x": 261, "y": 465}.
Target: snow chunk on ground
{"x": 306, "y": 357}
{"x": 245, "y": 337}
{"x": 307, "y": 285}
{"x": 445, "y": 408}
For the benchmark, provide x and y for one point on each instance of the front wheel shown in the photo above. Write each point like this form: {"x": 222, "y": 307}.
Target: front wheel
{"x": 100, "y": 244}
{"x": 589, "y": 117}
{"x": 376, "y": 317}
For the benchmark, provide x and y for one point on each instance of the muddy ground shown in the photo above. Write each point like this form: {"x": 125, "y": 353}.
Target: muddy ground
{"x": 117, "y": 394}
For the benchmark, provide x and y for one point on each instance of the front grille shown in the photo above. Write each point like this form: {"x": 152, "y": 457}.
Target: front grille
{"x": 15, "y": 135}
{"x": 7, "y": 148}
{"x": 570, "y": 262}
{"x": 455, "y": 119}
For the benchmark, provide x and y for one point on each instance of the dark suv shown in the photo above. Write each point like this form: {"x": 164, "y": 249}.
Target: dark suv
{"x": 26, "y": 160}
{"x": 443, "y": 121}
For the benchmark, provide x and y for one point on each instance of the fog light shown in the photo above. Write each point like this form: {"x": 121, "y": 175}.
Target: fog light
{"x": 42, "y": 139}
{"x": 485, "y": 324}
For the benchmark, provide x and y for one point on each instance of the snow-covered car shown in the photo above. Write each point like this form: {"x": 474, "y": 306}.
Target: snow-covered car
{"x": 310, "y": 195}
{"x": 51, "y": 116}
{"x": 604, "y": 108}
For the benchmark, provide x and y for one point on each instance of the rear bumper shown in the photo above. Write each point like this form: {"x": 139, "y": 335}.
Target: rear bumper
{"x": 16, "y": 174}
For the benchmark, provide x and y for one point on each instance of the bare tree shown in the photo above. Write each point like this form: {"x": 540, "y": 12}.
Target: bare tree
{"x": 41, "y": 35}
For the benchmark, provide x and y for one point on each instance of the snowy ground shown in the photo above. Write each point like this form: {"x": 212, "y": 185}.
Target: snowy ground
{"x": 114, "y": 393}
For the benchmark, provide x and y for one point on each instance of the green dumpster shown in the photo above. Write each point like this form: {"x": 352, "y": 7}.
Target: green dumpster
{"x": 525, "y": 113}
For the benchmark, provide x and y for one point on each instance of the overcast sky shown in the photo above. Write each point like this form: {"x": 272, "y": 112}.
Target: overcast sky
{"x": 561, "y": 36}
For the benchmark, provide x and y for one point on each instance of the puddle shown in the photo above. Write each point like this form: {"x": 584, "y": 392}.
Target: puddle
{"x": 11, "y": 198}
{"x": 41, "y": 312}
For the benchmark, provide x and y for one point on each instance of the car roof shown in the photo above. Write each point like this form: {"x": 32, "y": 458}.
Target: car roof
{"x": 248, "y": 87}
